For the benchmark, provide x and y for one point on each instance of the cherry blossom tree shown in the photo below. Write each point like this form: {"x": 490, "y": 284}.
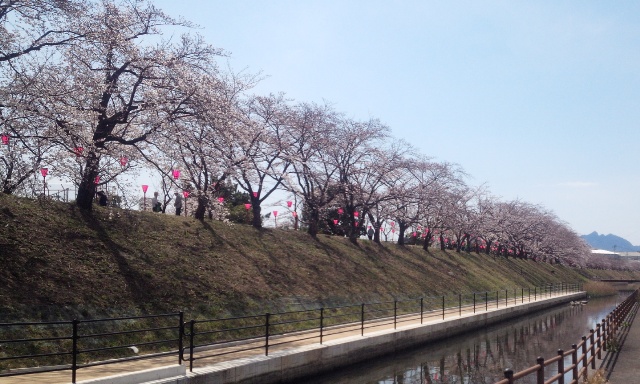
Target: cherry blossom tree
{"x": 29, "y": 26}
{"x": 262, "y": 165}
{"x": 355, "y": 154}
{"x": 312, "y": 175}
{"x": 120, "y": 87}
{"x": 30, "y": 33}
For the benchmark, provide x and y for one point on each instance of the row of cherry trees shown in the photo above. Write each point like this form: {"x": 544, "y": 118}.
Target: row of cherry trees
{"x": 104, "y": 88}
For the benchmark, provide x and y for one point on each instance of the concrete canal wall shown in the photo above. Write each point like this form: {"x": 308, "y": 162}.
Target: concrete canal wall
{"x": 283, "y": 366}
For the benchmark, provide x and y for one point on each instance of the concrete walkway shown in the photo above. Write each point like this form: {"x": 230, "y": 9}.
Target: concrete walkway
{"x": 350, "y": 334}
{"x": 622, "y": 366}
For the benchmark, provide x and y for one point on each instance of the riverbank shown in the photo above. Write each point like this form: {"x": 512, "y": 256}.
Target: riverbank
{"x": 62, "y": 263}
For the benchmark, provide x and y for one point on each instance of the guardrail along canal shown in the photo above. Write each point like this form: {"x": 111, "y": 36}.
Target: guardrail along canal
{"x": 481, "y": 356}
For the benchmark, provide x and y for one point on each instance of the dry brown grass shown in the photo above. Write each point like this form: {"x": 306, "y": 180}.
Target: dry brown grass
{"x": 598, "y": 377}
{"x": 599, "y": 289}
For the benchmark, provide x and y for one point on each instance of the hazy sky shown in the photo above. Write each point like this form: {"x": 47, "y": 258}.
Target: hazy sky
{"x": 539, "y": 100}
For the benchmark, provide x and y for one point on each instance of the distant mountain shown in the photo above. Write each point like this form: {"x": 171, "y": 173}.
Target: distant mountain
{"x": 610, "y": 242}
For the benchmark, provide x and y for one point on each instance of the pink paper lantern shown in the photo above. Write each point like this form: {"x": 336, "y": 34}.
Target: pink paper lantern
{"x": 340, "y": 211}
{"x": 275, "y": 213}
{"x": 78, "y": 151}
{"x": 5, "y": 139}
{"x": 176, "y": 174}
{"x": 335, "y": 222}
{"x": 289, "y": 203}
{"x": 44, "y": 171}
{"x": 185, "y": 194}
{"x": 221, "y": 200}
{"x": 247, "y": 206}
{"x": 255, "y": 194}
{"x": 356, "y": 214}
{"x": 294, "y": 213}
{"x": 144, "y": 188}
{"x": 415, "y": 234}
{"x": 97, "y": 180}
{"x": 393, "y": 224}
{"x": 357, "y": 223}
{"x": 123, "y": 161}
{"x": 393, "y": 230}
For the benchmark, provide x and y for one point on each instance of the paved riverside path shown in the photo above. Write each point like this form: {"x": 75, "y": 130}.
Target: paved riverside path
{"x": 103, "y": 371}
{"x": 623, "y": 366}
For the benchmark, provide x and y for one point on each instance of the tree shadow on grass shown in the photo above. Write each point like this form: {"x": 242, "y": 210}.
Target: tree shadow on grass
{"x": 138, "y": 284}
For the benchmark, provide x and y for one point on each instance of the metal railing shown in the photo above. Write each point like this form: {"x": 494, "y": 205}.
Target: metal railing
{"x": 216, "y": 338}
{"x": 77, "y": 344}
{"x": 583, "y": 354}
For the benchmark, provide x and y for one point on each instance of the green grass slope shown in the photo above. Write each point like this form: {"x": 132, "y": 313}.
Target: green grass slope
{"x": 59, "y": 261}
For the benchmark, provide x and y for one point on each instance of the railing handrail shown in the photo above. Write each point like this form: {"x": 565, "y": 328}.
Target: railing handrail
{"x": 589, "y": 351}
{"x": 270, "y": 325}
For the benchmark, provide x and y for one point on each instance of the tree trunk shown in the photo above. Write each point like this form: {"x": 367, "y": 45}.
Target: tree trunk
{"x": 403, "y": 228}
{"x": 87, "y": 187}
{"x": 201, "y": 209}
{"x": 256, "y": 220}
{"x": 441, "y": 242}
{"x": 314, "y": 217}
{"x": 427, "y": 239}
{"x": 355, "y": 230}
{"x": 376, "y": 233}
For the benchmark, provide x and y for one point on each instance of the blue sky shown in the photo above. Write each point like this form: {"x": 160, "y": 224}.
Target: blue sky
{"x": 539, "y": 100}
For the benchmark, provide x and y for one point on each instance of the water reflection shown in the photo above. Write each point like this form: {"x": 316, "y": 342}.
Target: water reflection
{"x": 481, "y": 356}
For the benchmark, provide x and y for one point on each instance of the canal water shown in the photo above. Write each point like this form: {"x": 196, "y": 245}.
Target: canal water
{"x": 481, "y": 356}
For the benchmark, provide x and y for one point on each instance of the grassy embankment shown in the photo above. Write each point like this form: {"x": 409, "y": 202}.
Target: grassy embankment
{"x": 58, "y": 261}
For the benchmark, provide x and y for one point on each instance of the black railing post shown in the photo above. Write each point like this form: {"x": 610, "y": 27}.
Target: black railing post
{"x": 584, "y": 358}
{"x": 459, "y": 304}
{"x": 362, "y": 320}
{"x": 535, "y": 293}
{"x": 506, "y": 296}
{"x": 508, "y": 374}
{"x": 192, "y": 336}
{"x": 540, "y": 375}
{"x": 574, "y": 362}
{"x": 599, "y": 341}
{"x": 474, "y": 302}
{"x": 529, "y": 288}
{"x": 267, "y": 317}
{"x": 74, "y": 349}
{"x": 604, "y": 334}
{"x": 180, "y": 337}
{"x": 421, "y": 309}
{"x": 442, "y": 307}
{"x": 561, "y": 366}
{"x": 395, "y": 313}
{"x": 497, "y": 299}
{"x": 486, "y": 301}
{"x": 321, "y": 323}
{"x": 522, "y": 296}
{"x": 593, "y": 349}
